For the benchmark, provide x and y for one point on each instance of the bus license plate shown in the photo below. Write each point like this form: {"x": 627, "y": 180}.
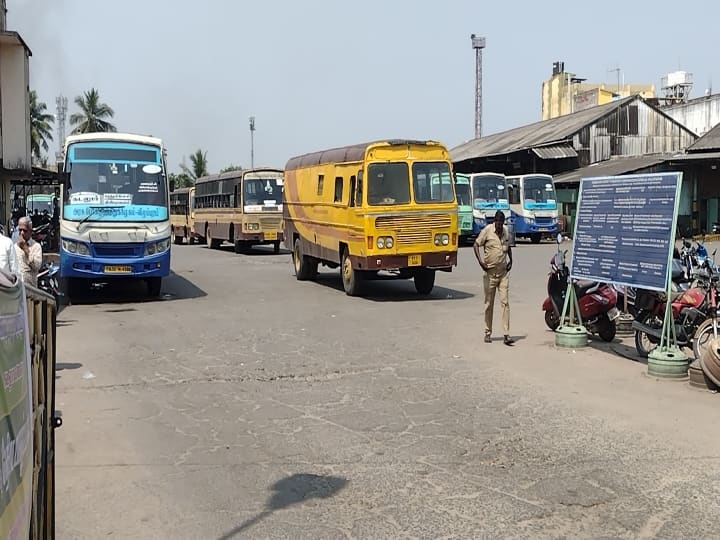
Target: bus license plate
{"x": 414, "y": 260}
{"x": 543, "y": 228}
{"x": 270, "y": 236}
{"x": 118, "y": 269}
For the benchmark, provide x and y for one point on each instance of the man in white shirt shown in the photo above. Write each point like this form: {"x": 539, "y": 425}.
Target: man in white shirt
{"x": 28, "y": 251}
{"x": 8, "y": 257}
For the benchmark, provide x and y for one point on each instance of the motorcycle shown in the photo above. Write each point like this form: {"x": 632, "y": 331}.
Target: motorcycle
{"x": 689, "y": 310}
{"x": 597, "y": 301}
{"x": 47, "y": 280}
{"x": 679, "y": 283}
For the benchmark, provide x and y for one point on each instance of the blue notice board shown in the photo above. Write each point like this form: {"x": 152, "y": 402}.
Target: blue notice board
{"x": 625, "y": 229}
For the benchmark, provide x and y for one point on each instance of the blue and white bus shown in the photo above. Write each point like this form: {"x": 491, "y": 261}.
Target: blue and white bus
{"x": 115, "y": 219}
{"x": 533, "y": 206}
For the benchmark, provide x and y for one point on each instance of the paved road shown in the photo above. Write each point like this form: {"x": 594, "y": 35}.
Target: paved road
{"x": 246, "y": 404}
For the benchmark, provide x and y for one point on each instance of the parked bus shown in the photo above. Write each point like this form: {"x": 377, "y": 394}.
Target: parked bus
{"x": 182, "y": 215}
{"x": 463, "y": 193}
{"x": 533, "y": 205}
{"x": 241, "y": 207}
{"x": 115, "y": 217}
{"x": 490, "y": 194}
{"x": 387, "y": 205}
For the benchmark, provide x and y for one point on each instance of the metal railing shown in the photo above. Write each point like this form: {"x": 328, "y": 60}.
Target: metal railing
{"x": 42, "y": 324}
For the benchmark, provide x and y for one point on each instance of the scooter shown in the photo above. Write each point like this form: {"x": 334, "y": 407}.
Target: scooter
{"x": 47, "y": 280}
{"x": 597, "y": 301}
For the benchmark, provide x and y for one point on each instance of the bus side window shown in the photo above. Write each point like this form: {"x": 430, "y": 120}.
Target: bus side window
{"x": 352, "y": 190}
{"x": 338, "y": 189}
{"x": 359, "y": 196}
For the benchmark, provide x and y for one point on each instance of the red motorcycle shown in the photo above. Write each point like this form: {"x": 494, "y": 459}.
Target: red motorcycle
{"x": 597, "y": 301}
{"x": 690, "y": 309}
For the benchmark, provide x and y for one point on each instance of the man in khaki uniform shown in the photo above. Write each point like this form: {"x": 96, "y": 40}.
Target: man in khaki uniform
{"x": 492, "y": 249}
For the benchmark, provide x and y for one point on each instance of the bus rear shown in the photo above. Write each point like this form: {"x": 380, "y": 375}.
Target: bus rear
{"x": 115, "y": 210}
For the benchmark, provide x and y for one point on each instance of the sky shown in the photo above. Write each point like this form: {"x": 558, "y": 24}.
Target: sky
{"x": 320, "y": 74}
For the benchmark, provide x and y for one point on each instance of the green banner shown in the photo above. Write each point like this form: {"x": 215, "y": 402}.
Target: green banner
{"x": 16, "y": 426}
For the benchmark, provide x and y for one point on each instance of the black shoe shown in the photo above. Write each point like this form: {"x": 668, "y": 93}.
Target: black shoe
{"x": 488, "y": 339}
{"x": 508, "y": 340}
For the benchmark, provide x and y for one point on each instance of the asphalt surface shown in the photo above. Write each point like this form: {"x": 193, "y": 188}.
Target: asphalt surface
{"x": 246, "y": 404}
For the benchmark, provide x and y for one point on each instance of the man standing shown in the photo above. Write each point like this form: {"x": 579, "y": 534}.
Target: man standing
{"x": 8, "y": 258}
{"x": 29, "y": 252}
{"x": 492, "y": 249}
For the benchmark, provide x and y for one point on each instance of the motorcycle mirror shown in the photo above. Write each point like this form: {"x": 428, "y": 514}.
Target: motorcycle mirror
{"x": 559, "y": 238}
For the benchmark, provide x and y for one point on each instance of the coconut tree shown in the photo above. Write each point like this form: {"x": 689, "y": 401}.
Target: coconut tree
{"x": 198, "y": 165}
{"x": 40, "y": 130}
{"x": 93, "y": 116}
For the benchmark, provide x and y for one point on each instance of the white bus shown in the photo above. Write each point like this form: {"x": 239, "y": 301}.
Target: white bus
{"x": 115, "y": 219}
{"x": 533, "y": 205}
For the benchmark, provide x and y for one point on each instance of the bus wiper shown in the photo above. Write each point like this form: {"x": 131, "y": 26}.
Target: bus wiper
{"x": 95, "y": 210}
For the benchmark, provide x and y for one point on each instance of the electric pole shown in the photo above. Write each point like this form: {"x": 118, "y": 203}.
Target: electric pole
{"x": 478, "y": 43}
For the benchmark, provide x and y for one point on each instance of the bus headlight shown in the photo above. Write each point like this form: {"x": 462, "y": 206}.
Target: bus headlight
{"x": 72, "y": 246}
{"x": 384, "y": 242}
{"x": 442, "y": 239}
{"x": 157, "y": 247}
{"x": 252, "y": 226}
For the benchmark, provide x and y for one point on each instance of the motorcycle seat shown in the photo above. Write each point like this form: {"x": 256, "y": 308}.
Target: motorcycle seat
{"x": 583, "y": 287}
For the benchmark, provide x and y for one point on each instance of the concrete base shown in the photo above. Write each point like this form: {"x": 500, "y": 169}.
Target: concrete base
{"x": 670, "y": 363}
{"x": 573, "y": 337}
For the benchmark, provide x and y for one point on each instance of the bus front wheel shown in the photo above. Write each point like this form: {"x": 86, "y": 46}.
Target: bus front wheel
{"x": 154, "y": 284}
{"x": 424, "y": 280}
{"x": 305, "y": 266}
{"x": 352, "y": 279}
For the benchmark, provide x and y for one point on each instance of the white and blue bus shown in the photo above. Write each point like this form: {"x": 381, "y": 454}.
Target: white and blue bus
{"x": 533, "y": 206}
{"x": 115, "y": 219}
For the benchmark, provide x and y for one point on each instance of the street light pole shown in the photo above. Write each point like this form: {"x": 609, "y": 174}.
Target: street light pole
{"x": 252, "y": 142}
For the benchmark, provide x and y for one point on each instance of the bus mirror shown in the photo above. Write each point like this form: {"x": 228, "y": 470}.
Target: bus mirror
{"x": 172, "y": 185}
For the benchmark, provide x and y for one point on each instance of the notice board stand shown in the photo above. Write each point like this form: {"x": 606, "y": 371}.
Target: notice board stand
{"x": 573, "y": 334}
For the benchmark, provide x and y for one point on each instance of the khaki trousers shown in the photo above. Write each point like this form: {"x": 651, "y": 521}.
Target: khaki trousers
{"x": 496, "y": 280}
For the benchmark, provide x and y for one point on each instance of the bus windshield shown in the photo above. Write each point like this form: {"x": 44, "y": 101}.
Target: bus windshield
{"x": 432, "y": 182}
{"x": 388, "y": 183}
{"x": 538, "y": 193}
{"x": 115, "y": 182}
{"x": 490, "y": 192}
{"x": 262, "y": 191}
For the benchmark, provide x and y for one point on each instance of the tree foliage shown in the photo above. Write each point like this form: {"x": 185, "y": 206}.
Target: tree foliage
{"x": 94, "y": 115}
{"x": 40, "y": 129}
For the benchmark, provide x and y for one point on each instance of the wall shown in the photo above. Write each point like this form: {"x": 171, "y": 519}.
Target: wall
{"x": 698, "y": 115}
{"x": 14, "y": 97}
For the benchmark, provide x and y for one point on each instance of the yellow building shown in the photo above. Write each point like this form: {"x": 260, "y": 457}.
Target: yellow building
{"x": 564, "y": 93}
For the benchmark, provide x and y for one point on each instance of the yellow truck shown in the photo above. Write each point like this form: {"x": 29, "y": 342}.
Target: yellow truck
{"x": 382, "y": 206}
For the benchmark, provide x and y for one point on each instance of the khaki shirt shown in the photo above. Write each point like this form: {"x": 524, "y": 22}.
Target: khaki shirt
{"x": 494, "y": 247}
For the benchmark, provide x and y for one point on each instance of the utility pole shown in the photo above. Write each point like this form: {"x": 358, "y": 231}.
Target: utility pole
{"x": 252, "y": 142}
{"x": 478, "y": 43}
{"x": 618, "y": 71}
{"x": 61, "y": 103}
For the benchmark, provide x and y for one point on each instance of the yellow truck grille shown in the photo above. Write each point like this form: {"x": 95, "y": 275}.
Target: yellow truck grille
{"x": 270, "y": 222}
{"x": 413, "y": 229}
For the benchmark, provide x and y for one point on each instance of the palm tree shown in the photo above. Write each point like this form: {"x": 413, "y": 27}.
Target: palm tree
{"x": 198, "y": 165}
{"x": 93, "y": 114}
{"x": 40, "y": 130}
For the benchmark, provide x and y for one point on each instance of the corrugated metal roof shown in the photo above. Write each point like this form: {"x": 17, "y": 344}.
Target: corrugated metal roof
{"x": 555, "y": 151}
{"x": 545, "y": 132}
{"x": 695, "y": 156}
{"x": 612, "y": 167}
{"x": 709, "y": 141}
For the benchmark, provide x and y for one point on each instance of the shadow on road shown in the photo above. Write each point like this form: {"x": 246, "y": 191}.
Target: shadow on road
{"x": 124, "y": 291}
{"x": 255, "y": 251}
{"x": 392, "y": 289}
{"x": 293, "y": 490}
{"x": 59, "y": 366}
